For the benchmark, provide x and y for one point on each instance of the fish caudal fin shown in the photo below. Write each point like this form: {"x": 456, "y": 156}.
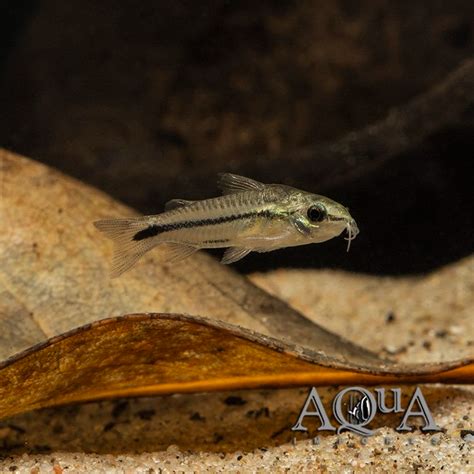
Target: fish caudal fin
{"x": 127, "y": 250}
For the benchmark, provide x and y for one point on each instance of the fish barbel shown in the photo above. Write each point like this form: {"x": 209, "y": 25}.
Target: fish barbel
{"x": 250, "y": 216}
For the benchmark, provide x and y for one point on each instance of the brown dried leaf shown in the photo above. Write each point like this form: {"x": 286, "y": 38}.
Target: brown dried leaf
{"x": 53, "y": 278}
{"x": 147, "y": 354}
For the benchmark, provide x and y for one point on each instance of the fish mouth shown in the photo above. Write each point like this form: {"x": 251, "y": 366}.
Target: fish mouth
{"x": 352, "y": 232}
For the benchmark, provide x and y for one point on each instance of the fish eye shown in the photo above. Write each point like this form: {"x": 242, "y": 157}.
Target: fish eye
{"x": 317, "y": 213}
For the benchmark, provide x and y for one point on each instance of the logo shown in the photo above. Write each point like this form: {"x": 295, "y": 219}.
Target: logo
{"x": 355, "y": 407}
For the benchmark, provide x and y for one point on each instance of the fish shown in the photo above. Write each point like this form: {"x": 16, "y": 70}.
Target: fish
{"x": 250, "y": 216}
{"x": 360, "y": 411}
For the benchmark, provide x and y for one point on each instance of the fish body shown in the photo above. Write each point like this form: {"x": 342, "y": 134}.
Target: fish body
{"x": 250, "y": 216}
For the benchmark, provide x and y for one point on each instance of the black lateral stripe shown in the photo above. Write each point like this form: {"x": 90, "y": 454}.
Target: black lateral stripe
{"x": 149, "y": 231}
{"x": 216, "y": 241}
{"x": 155, "y": 229}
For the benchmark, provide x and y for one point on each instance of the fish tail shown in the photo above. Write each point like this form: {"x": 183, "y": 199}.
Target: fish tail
{"x": 127, "y": 249}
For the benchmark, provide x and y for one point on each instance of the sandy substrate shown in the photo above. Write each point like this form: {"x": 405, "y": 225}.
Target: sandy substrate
{"x": 413, "y": 319}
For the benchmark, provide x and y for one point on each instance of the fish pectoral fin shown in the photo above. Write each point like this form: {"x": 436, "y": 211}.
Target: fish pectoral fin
{"x": 232, "y": 254}
{"x": 175, "y": 203}
{"x": 300, "y": 225}
{"x": 177, "y": 252}
{"x": 231, "y": 183}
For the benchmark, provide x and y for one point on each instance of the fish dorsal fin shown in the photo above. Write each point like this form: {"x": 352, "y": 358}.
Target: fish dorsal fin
{"x": 232, "y": 254}
{"x": 232, "y": 183}
{"x": 175, "y": 203}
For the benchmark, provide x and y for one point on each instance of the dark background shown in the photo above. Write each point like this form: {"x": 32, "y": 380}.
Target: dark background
{"x": 149, "y": 100}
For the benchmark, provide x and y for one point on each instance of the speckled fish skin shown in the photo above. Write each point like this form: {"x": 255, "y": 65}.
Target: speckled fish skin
{"x": 250, "y": 216}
